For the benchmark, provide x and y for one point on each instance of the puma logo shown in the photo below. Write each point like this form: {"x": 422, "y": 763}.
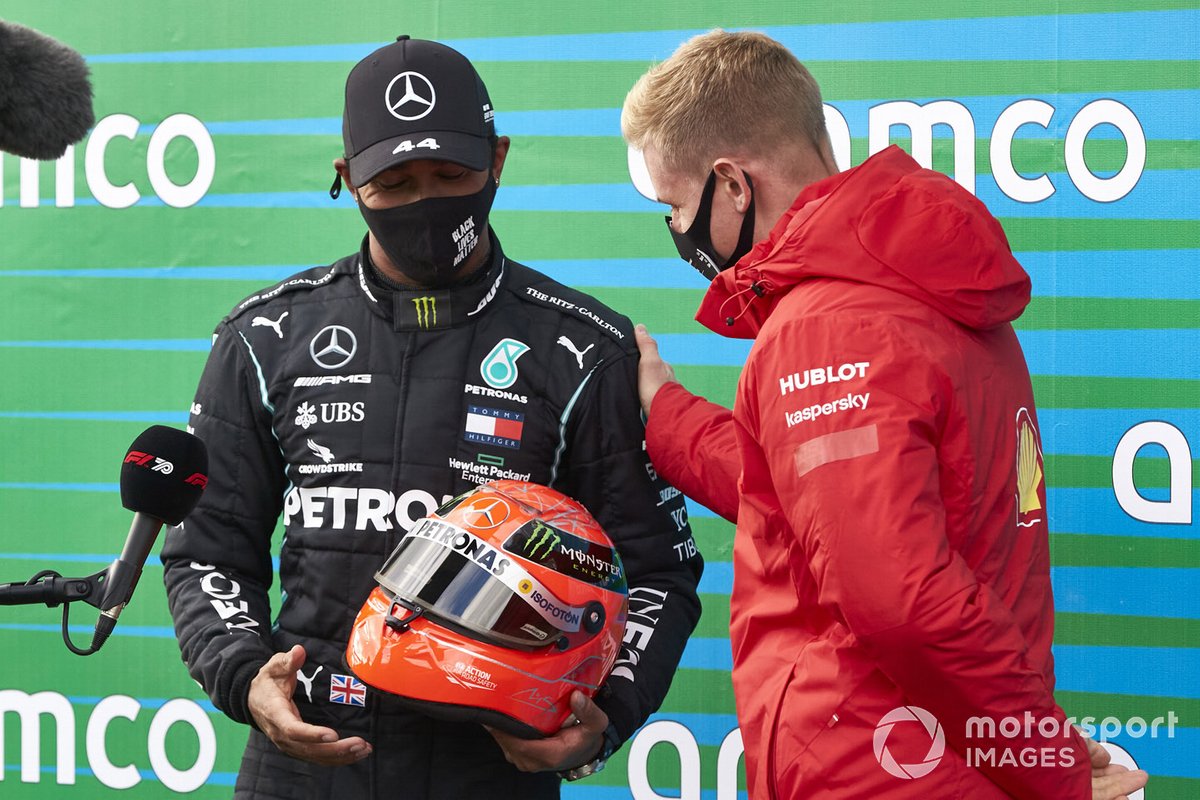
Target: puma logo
{"x": 567, "y": 343}
{"x": 263, "y": 322}
{"x": 307, "y": 681}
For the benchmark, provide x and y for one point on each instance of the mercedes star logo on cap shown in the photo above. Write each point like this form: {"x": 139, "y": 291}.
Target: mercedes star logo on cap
{"x": 418, "y": 98}
{"x": 333, "y": 346}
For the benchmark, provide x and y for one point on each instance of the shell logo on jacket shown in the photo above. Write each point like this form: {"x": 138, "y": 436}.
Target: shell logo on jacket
{"x": 1031, "y": 476}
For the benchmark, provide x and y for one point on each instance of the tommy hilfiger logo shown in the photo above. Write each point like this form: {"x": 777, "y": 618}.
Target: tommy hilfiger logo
{"x": 494, "y": 426}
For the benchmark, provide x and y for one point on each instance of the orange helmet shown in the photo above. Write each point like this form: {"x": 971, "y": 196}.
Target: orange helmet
{"x": 494, "y": 609}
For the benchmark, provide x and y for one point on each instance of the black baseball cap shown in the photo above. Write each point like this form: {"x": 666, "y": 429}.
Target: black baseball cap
{"x": 415, "y": 99}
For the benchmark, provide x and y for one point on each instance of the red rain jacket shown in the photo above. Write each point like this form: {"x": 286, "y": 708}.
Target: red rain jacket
{"x": 891, "y": 545}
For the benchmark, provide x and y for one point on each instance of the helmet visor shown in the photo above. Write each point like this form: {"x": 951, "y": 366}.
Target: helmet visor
{"x": 456, "y": 576}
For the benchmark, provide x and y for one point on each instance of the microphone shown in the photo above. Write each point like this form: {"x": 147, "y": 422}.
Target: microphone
{"x": 162, "y": 477}
{"x": 45, "y": 94}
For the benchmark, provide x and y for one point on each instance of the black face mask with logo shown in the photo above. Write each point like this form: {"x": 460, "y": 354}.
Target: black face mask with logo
{"x": 430, "y": 239}
{"x": 695, "y": 244}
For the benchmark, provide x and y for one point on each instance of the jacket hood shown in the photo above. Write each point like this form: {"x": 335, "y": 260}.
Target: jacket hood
{"x": 887, "y": 222}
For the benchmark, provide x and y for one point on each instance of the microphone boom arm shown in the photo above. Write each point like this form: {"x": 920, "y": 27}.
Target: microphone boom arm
{"x": 53, "y": 589}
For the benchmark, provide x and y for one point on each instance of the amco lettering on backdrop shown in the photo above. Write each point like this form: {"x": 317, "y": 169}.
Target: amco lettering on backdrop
{"x": 920, "y": 120}
{"x": 110, "y": 195}
{"x": 31, "y": 709}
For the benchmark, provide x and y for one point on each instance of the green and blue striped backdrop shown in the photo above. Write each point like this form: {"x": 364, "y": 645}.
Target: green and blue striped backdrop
{"x": 107, "y": 311}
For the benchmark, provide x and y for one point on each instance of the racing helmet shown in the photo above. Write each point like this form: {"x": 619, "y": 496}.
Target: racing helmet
{"x": 493, "y": 609}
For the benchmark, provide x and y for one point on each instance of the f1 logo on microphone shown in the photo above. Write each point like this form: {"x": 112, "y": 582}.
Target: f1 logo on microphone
{"x": 197, "y": 479}
{"x": 144, "y": 459}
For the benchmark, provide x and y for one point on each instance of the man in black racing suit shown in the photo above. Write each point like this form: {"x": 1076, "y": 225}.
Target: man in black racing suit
{"x": 354, "y": 399}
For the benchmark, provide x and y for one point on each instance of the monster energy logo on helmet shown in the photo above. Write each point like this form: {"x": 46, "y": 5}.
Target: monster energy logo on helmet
{"x": 426, "y": 311}
{"x": 543, "y": 537}
{"x": 567, "y": 553}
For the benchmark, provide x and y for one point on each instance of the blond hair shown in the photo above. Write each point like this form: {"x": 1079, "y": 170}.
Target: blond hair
{"x": 723, "y": 92}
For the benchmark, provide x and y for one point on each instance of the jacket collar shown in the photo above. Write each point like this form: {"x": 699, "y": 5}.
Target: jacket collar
{"x": 889, "y": 223}
{"x": 433, "y": 309}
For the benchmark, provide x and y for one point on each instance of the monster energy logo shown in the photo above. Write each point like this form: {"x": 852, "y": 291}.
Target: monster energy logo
{"x": 426, "y": 311}
{"x": 542, "y": 534}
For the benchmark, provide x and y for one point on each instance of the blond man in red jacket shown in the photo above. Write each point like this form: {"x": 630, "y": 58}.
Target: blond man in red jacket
{"x": 882, "y": 459}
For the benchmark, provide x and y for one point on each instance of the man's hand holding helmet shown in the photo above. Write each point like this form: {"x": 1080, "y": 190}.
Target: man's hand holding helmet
{"x": 580, "y": 740}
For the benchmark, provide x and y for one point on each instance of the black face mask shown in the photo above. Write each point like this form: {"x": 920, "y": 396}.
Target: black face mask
{"x": 430, "y": 239}
{"x": 695, "y": 244}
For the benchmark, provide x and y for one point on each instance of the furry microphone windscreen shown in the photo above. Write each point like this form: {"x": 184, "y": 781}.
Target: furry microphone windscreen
{"x": 45, "y": 94}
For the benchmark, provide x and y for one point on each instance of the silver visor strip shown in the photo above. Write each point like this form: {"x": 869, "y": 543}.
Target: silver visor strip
{"x": 499, "y": 564}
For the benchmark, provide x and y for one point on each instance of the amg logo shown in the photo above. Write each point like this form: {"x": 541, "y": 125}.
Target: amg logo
{"x": 330, "y": 380}
{"x": 426, "y": 311}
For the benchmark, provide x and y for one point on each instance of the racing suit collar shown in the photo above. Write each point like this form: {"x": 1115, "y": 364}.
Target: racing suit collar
{"x": 431, "y": 309}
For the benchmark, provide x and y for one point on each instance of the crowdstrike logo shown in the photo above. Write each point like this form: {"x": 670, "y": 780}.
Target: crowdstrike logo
{"x": 321, "y": 451}
{"x": 909, "y": 715}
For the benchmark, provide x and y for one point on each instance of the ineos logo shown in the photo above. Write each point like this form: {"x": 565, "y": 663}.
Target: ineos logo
{"x": 909, "y": 714}
{"x": 418, "y": 98}
{"x": 333, "y": 346}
